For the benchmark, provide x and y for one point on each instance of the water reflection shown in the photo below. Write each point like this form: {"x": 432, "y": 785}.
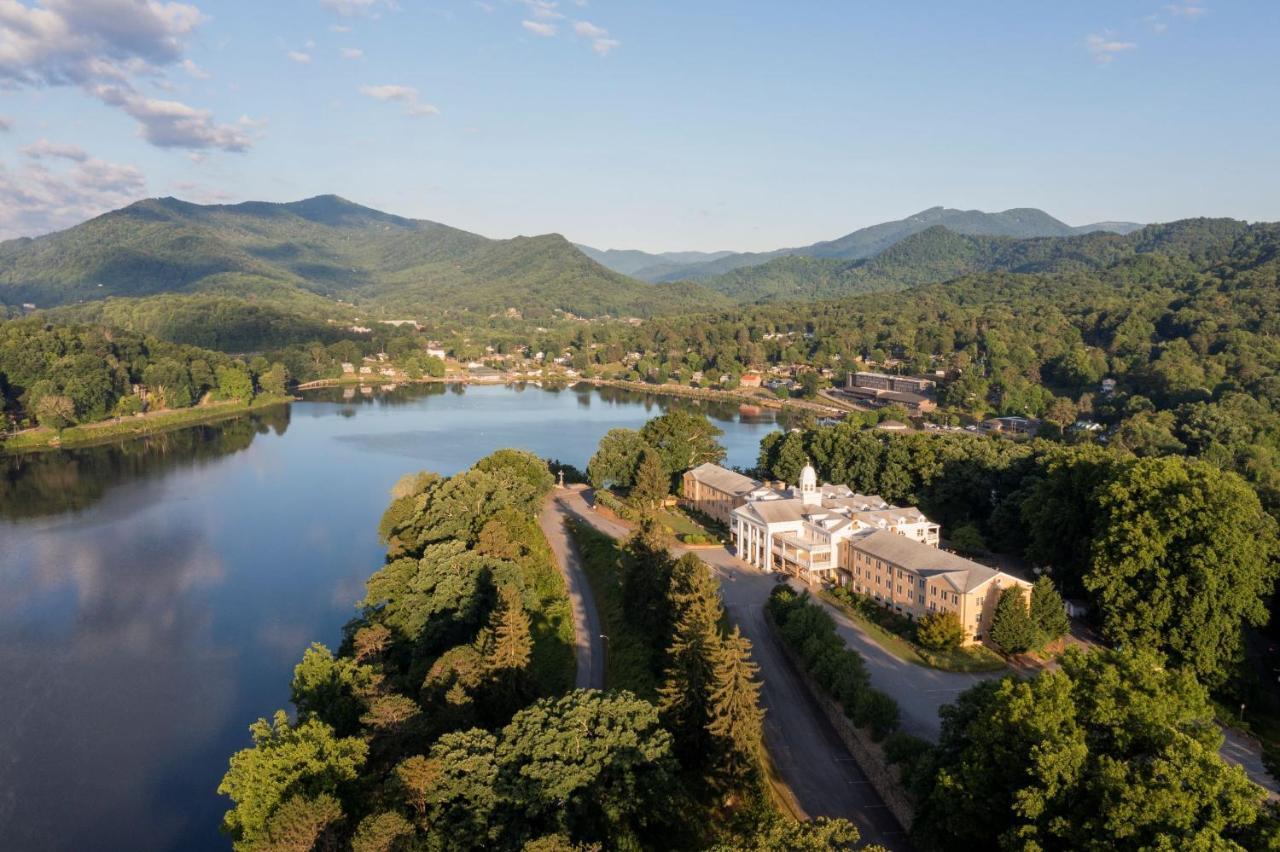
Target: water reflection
{"x": 155, "y": 594}
{"x": 69, "y": 480}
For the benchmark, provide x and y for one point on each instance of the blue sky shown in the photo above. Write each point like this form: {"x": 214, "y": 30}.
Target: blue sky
{"x": 657, "y": 125}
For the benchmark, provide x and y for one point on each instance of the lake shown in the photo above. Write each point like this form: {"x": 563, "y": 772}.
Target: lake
{"x": 155, "y": 594}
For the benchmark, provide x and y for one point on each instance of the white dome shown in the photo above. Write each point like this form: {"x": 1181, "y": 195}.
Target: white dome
{"x": 808, "y": 478}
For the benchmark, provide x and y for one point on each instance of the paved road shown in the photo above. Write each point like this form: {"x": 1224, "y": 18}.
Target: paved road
{"x": 808, "y": 754}
{"x": 588, "y": 640}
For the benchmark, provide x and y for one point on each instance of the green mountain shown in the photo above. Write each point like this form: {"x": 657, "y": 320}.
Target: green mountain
{"x": 320, "y": 255}
{"x": 645, "y": 265}
{"x": 1023, "y": 222}
{"x": 939, "y": 254}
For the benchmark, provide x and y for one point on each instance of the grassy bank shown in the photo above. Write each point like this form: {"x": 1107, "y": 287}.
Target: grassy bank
{"x": 550, "y": 617}
{"x": 628, "y": 657}
{"x": 105, "y": 431}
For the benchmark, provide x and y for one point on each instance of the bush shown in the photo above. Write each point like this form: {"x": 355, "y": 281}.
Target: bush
{"x": 940, "y": 631}
{"x": 697, "y": 538}
{"x": 968, "y": 539}
{"x": 613, "y": 504}
{"x": 878, "y": 712}
{"x": 841, "y": 672}
{"x": 905, "y": 749}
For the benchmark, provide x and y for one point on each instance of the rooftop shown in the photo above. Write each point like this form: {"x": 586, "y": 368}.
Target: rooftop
{"x": 723, "y": 479}
{"x": 964, "y": 575}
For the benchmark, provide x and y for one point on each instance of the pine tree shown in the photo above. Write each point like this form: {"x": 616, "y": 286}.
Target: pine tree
{"x": 508, "y": 649}
{"x": 653, "y": 483}
{"x": 683, "y": 698}
{"x": 1048, "y": 610}
{"x": 1011, "y": 627}
{"x": 736, "y": 718}
{"x": 646, "y": 579}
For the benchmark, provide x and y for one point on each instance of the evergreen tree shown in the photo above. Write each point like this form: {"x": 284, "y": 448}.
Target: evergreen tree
{"x": 691, "y": 658}
{"x": 1048, "y": 610}
{"x": 653, "y": 482}
{"x": 509, "y": 649}
{"x": 1012, "y": 629}
{"x": 646, "y": 579}
{"x": 736, "y": 718}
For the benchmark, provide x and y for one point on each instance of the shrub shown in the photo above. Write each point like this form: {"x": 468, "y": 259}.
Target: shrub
{"x": 879, "y": 712}
{"x": 940, "y": 631}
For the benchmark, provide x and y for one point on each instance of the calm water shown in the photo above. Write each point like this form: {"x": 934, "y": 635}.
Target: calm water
{"x": 155, "y": 595}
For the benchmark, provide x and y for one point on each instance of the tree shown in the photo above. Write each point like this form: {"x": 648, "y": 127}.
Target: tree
{"x": 940, "y": 631}
{"x": 646, "y": 580}
{"x": 1048, "y": 610}
{"x": 510, "y": 648}
{"x": 1116, "y": 750}
{"x": 1184, "y": 558}
{"x": 594, "y": 765}
{"x": 684, "y": 696}
{"x": 1012, "y": 629}
{"x": 653, "y": 482}
{"x": 455, "y": 788}
{"x": 54, "y": 411}
{"x": 683, "y": 440}
{"x": 381, "y": 832}
{"x": 234, "y": 382}
{"x": 822, "y": 834}
{"x": 736, "y": 720}
{"x": 303, "y": 759}
{"x": 300, "y": 822}
{"x": 616, "y": 459}
{"x": 274, "y": 382}
{"x": 968, "y": 539}
{"x": 333, "y": 690}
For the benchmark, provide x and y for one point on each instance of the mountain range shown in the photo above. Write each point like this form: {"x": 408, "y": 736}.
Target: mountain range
{"x": 323, "y": 258}
{"x": 1021, "y": 222}
{"x": 319, "y": 254}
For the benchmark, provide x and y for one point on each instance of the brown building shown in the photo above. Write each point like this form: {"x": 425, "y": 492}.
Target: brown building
{"x": 914, "y": 403}
{"x": 884, "y": 381}
{"x": 915, "y": 579}
{"x": 715, "y": 491}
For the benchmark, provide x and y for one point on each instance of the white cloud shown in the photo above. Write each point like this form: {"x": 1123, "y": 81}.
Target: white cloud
{"x": 543, "y": 9}
{"x": 44, "y": 149}
{"x": 1189, "y": 9}
{"x": 487, "y": 8}
{"x": 1105, "y": 46}
{"x": 299, "y": 57}
{"x": 539, "y": 29}
{"x": 6, "y": 124}
{"x": 102, "y": 46}
{"x": 195, "y": 70}
{"x": 352, "y": 53}
{"x": 349, "y": 8}
{"x": 406, "y": 95}
{"x": 173, "y": 124}
{"x": 599, "y": 36}
{"x": 339, "y": 28}
{"x": 37, "y": 198}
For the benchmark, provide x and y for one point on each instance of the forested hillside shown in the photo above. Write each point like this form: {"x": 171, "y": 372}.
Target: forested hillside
{"x": 1018, "y": 223}
{"x": 306, "y": 256}
{"x": 939, "y": 254}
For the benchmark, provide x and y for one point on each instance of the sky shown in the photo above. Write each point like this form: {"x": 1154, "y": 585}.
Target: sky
{"x": 651, "y": 124}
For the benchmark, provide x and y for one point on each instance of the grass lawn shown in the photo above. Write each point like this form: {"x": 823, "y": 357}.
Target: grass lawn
{"x": 550, "y": 619}
{"x": 973, "y": 658}
{"x": 628, "y": 657}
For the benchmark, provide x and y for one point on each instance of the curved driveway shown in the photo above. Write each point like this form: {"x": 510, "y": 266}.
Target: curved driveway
{"x": 808, "y": 755}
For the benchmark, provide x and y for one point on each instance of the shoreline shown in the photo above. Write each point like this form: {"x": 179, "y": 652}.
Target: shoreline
{"x": 42, "y": 440}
